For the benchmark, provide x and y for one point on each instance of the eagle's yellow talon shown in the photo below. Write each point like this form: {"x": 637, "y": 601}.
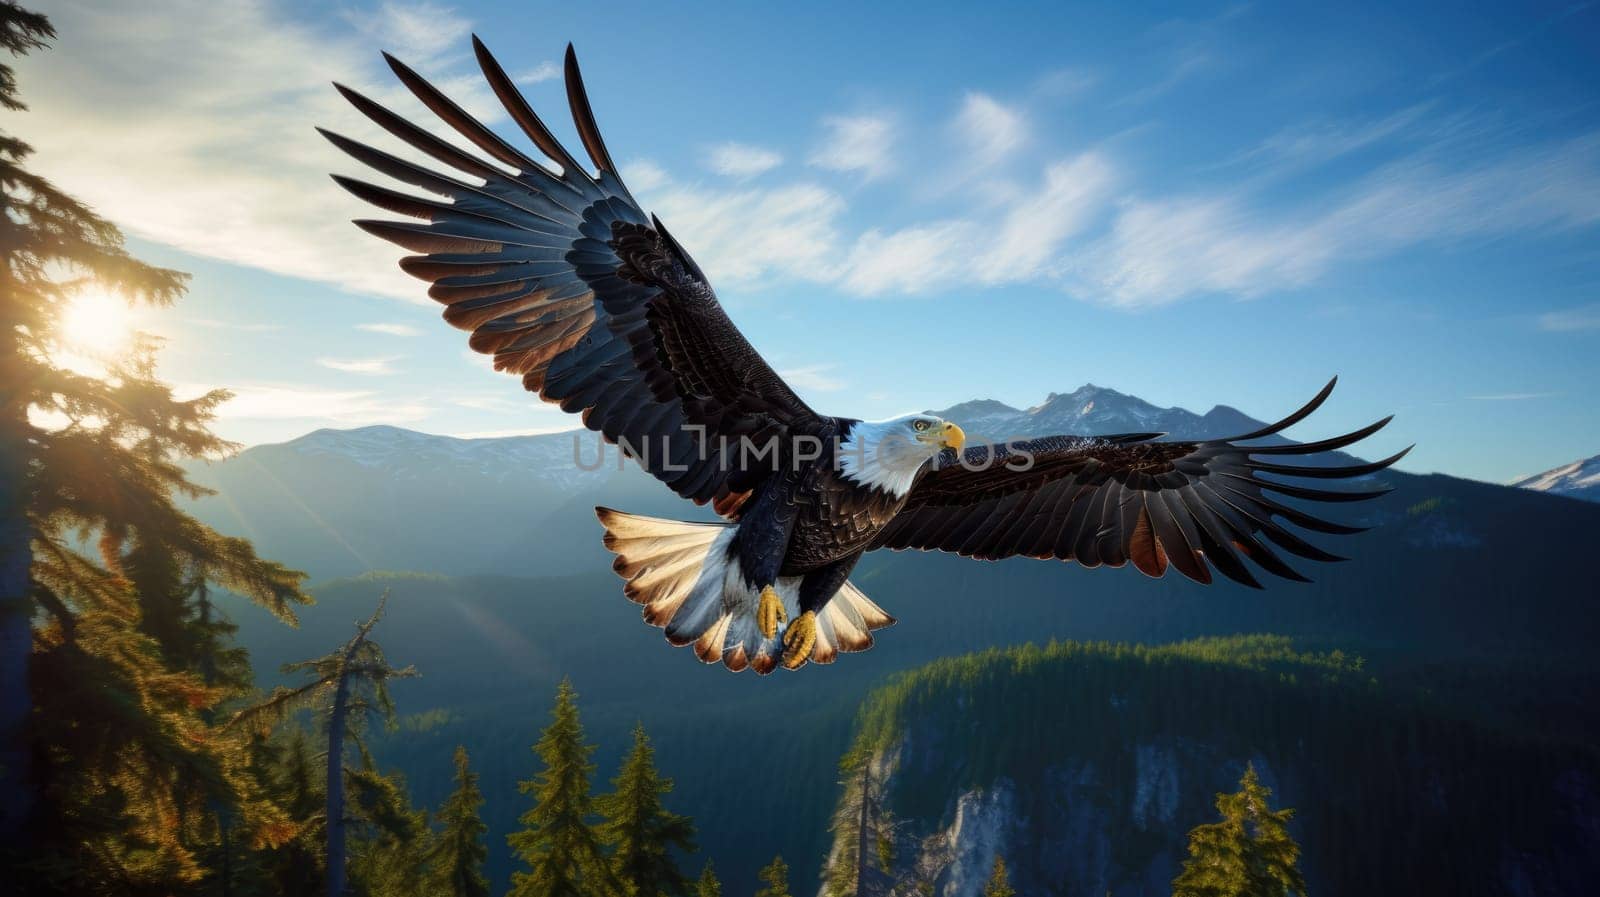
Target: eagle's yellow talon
{"x": 770, "y": 613}
{"x": 799, "y": 639}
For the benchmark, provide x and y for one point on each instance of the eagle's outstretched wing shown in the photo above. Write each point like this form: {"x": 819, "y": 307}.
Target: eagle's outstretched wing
{"x": 567, "y": 283}
{"x": 1114, "y": 499}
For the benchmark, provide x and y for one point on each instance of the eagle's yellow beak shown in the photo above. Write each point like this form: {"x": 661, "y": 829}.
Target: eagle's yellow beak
{"x": 952, "y": 437}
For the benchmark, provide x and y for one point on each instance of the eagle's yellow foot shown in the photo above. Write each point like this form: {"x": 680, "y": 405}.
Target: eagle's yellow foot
{"x": 770, "y": 613}
{"x": 799, "y": 639}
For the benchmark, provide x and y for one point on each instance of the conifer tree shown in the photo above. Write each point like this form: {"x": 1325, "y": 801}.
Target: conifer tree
{"x": 775, "y": 879}
{"x": 391, "y": 844}
{"x": 999, "y": 884}
{"x": 287, "y": 768}
{"x": 134, "y": 776}
{"x": 1249, "y": 853}
{"x": 558, "y": 842}
{"x": 708, "y": 885}
{"x": 863, "y": 832}
{"x": 639, "y": 830}
{"x": 460, "y": 852}
{"x": 344, "y": 688}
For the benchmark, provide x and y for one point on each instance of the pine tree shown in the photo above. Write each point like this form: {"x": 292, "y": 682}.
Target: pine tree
{"x": 708, "y": 885}
{"x": 638, "y": 828}
{"x": 775, "y": 877}
{"x": 287, "y": 768}
{"x": 459, "y": 857}
{"x": 98, "y": 716}
{"x": 863, "y": 832}
{"x": 391, "y": 843}
{"x": 558, "y": 843}
{"x": 1247, "y": 854}
{"x": 999, "y": 884}
{"x": 345, "y": 687}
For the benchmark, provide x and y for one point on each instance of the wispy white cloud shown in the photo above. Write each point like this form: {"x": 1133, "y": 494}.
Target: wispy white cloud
{"x": 861, "y": 144}
{"x": 748, "y": 235}
{"x": 1064, "y": 83}
{"x": 241, "y": 326}
{"x": 1163, "y": 250}
{"x": 1308, "y": 144}
{"x": 1032, "y": 231}
{"x": 644, "y": 175}
{"x": 389, "y": 329}
{"x": 218, "y": 124}
{"x": 1513, "y": 42}
{"x": 911, "y": 260}
{"x": 544, "y": 71}
{"x": 1185, "y": 63}
{"x": 1584, "y": 317}
{"x": 285, "y": 401}
{"x": 368, "y": 366}
{"x": 1017, "y": 241}
{"x": 416, "y": 31}
{"x": 1512, "y": 396}
{"x": 742, "y": 161}
{"x": 990, "y": 129}
{"x": 814, "y": 378}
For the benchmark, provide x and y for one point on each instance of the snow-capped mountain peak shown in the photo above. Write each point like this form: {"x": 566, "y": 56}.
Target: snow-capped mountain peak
{"x": 1580, "y": 479}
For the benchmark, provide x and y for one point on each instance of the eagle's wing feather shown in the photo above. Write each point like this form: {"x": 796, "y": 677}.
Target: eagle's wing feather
{"x": 1193, "y": 505}
{"x": 560, "y": 275}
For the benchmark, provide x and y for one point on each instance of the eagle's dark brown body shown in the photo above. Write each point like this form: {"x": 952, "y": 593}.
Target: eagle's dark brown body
{"x": 836, "y": 518}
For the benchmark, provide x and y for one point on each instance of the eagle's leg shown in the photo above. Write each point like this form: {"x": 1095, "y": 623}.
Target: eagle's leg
{"x": 770, "y": 613}
{"x": 799, "y": 639}
{"x": 816, "y": 590}
{"x": 764, "y": 527}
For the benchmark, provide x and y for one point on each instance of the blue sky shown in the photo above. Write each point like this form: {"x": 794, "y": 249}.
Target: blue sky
{"x": 909, "y": 205}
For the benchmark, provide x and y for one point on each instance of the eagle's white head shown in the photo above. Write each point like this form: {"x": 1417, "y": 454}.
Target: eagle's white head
{"x": 888, "y": 454}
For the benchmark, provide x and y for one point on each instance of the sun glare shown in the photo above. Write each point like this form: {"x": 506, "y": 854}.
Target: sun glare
{"x": 97, "y": 324}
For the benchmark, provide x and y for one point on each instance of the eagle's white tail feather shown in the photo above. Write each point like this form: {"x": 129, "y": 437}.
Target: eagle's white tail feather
{"x": 691, "y": 585}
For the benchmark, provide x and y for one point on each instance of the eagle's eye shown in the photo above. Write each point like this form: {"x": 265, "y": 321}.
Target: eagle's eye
{"x": 919, "y": 425}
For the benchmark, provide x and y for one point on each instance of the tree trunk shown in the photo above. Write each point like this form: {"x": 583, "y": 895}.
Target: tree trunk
{"x": 208, "y": 672}
{"x": 336, "y": 870}
{"x": 16, "y": 606}
{"x": 861, "y": 827}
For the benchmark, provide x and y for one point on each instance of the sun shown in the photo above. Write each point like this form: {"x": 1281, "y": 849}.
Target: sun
{"x": 97, "y": 324}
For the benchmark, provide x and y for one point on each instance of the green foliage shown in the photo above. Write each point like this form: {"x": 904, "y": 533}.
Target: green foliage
{"x": 391, "y": 841}
{"x": 639, "y": 830}
{"x": 708, "y": 885}
{"x": 558, "y": 844}
{"x": 343, "y": 688}
{"x": 114, "y": 777}
{"x": 460, "y": 853}
{"x": 285, "y": 764}
{"x": 1081, "y": 672}
{"x": 999, "y": 884}
{"x": 1247, "y": 854}
{"x": 863, "y": 831}
{"x": 775, "y": 879}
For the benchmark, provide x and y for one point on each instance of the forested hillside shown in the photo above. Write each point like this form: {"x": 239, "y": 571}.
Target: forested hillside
{"x": 1084, "y": 764}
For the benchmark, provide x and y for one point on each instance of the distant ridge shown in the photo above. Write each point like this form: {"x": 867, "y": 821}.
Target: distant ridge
{"x": 1092, "y": 409}
{"x": 1580, "y": 479}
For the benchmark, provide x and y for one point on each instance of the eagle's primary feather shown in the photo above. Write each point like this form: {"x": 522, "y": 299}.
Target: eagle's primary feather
{"x": 561, "y": 276}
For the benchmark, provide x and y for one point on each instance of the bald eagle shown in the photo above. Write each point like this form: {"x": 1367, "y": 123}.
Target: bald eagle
{"x": 556, "y": 271}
